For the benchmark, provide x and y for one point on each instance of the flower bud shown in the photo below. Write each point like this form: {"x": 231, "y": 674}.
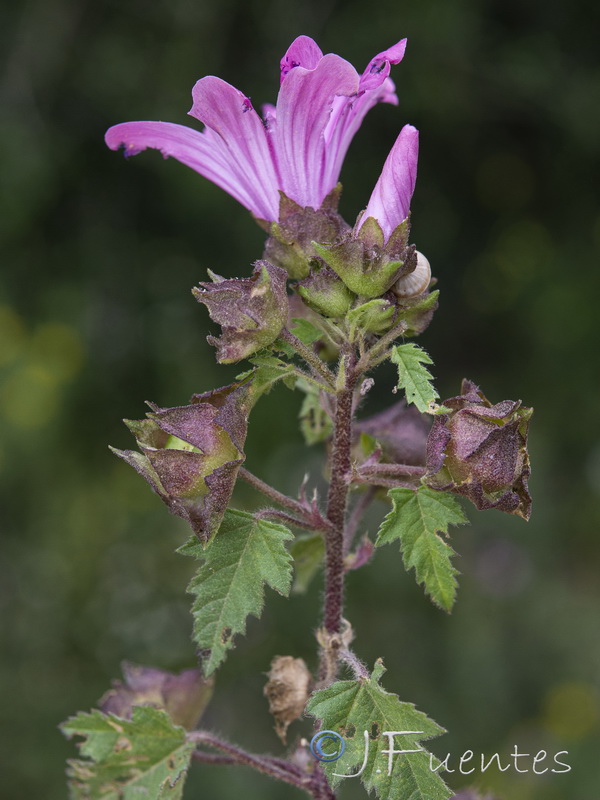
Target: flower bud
{"x": 479, "y": 450}
{"x": 252, "y": 311}
{"x": 184, "y": 697}
{"x": 190, "y": 455}
{"x": 326, "y": 294}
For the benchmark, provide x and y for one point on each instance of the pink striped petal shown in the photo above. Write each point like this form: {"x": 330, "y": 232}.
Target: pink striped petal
{"x": 303, "y": 52}
{"x": 237, "y": 131}
{"x": 378, "y": 68}
{"x": 304, "y": 106}
{"x": 199, "y": 151}
{"x": 390, "y": 201}
{"x": 348, "y": 114}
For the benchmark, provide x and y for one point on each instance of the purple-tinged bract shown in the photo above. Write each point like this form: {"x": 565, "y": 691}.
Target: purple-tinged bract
{"x": 190, "y": 455}
{"x": 251, "y": 311}
{"x": 479, "y": 450}
{"x": 184, "y": 696}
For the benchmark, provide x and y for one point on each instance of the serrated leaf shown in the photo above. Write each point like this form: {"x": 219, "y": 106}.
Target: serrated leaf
{"x": 308, "y": 552}
{"x": 246, "y": 554}
{"x": 352, "y": 707}
{"x": 146, "y": 756}
{"x": 315, "y": 422}
{"x": 417, "y": 519}
{"x": 306, "y": 331}
{"x": 413, "y": 376}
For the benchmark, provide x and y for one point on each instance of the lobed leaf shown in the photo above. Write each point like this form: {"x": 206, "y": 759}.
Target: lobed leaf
{"x": 352, "y": 707}
{"x": 146, "y": 756}
{"x": 413, "y": 376}
{"x": 246, "y": 554}
{"x": 416, "y": 520}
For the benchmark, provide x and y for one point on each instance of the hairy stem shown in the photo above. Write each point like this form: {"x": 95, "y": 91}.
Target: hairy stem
{"x": 391, "y": 471}
{"x": 274, "y": 767}
{"x": 311, "y": 358}
{"x": 374, "y": 356}
{"x": 336, "y": 505}
{"x": 273, "y": 494}
{"x": 356, "y": 515}
{"x": 273, "y": 513}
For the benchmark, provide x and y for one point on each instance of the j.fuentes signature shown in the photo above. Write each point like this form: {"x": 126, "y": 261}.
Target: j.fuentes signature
{"x": 466, "y": 764}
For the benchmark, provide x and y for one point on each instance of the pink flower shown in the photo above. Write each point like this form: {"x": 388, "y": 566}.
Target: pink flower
{"x": 390, "y": 200}
{"x": 298, "y": 148}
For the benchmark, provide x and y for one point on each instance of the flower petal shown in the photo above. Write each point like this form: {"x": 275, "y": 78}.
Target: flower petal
{"x": 238, "y": 133}
{"x": 205, "y": 155}
{"x": 375, "y": 86}
{"x": 390, "y": 201}
{"x": 303, "y": 52}
{"x": 303, "y": 108}
{"x": 378, "y": 68}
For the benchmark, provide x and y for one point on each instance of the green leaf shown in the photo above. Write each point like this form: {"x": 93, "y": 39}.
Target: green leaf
{"x": 352, "y": 707}
{"x": 308, "y": 552}
{"x": 306, "y": 331}
{"x": 374, "y": 316}
{"x": 246, "y": 553}
{"x": 417, "y": 519}
{"x": 315, "y": 422}
{"x": 146, "y": 756}
{"x": 413, "y": 377}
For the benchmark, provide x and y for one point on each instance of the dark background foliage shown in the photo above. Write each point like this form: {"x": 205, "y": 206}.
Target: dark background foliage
{"x": 98, "y": 257}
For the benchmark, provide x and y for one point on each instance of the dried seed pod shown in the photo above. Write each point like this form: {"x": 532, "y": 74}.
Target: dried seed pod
{"x": 416, "y": 282}
{"x": 287, "y": 691}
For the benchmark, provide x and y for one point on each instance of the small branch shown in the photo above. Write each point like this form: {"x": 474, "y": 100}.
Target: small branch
{"x": 213, "y": 758}
{"x": 306, "y": 516}
{"x": 273, "y": 513}
{"x": 373, "y": 356}
{"x": 324, "y": 387}
{"x": 361, "y": 505}
{"x": 388, "y": 483}
{"x": 274, "y": 767}
{"x": 391, "y": 471}
{"x": 272, "y": 493}
{"x": 311, "y": 358}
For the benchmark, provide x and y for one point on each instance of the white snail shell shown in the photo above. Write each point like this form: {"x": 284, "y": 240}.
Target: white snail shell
{"x": 415, "y": 282}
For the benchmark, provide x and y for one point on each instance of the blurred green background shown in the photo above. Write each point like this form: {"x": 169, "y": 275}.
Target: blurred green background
{"x": 96, "y": 316}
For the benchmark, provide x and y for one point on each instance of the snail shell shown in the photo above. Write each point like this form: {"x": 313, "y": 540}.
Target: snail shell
{"x": 416, "y": 281}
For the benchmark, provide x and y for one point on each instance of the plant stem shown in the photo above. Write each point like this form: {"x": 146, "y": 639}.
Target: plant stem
{"x": 356, "y": 665}
{"x": 273, "y": 513}
{"x": 274, "y": 767}
{"x": 336, "y": 505}
{"x": 373, "y": 356}
{"x": 363, "y": 502}
{"x": 273, "y": 494}
{"x": 311, "y": 358}
{"x": 391, "y": 471}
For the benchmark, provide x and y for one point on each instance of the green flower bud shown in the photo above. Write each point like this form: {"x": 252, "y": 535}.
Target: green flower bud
{"x": 326, "y": 294}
